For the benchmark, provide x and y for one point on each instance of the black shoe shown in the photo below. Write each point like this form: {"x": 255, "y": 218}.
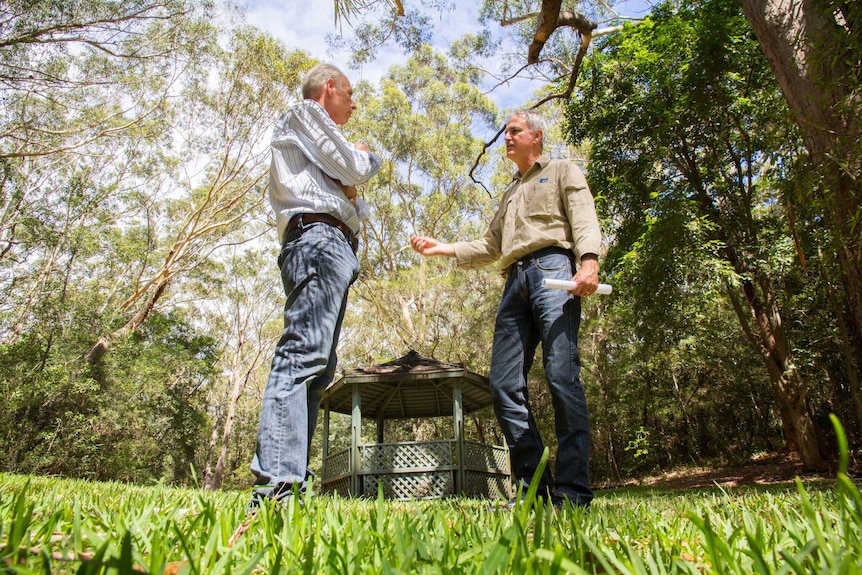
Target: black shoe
{"x": 562, "y": 502}
{"x": 253, "y": 506}
{"x": 518, "y": 501}
{"x": 284, "y": 503}
{"x": 282, "y": 497}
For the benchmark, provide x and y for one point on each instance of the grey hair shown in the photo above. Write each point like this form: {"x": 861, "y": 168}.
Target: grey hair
{"x": 534, "y": 122}
{"x": 315, "y": 78}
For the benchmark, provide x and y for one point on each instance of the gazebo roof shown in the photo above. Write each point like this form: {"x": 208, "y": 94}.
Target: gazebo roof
{"x": 410, "y": 386}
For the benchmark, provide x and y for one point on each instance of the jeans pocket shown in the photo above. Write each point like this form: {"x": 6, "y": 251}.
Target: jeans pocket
{"x": 555, "y": 264}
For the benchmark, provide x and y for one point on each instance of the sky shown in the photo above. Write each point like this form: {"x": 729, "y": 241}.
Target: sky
{"x": 305, "y": 24}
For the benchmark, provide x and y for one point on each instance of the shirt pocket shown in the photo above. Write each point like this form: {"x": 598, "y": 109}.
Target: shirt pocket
{"x": 541, "y": 199}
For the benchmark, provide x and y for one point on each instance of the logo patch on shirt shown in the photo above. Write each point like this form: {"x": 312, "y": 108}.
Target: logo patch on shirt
{"x": 543, "y": 180}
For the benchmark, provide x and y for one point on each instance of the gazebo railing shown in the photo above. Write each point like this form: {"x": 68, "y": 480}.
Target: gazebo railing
{"x": 419, "y": 470}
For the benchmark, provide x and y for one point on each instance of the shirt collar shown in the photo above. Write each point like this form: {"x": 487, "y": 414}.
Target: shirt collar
{"x": 541, "y": 162}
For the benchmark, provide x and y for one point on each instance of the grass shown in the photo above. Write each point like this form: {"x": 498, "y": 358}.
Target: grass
{"x": 50, "y": 525}
{"x": 56, "y": 525}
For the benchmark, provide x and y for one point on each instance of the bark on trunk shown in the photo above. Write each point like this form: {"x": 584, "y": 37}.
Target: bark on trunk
{"x": 761, "y": 322}
{"x": 813, "y": 51}
{"x": 239, "y": 381}
{"x": 208, "y": 466}
{"x": 98, "y": 351}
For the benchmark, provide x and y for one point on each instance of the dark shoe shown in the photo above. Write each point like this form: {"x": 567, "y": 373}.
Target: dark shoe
{"x": 282, "y": 497}
{"x": 518, "y": 501}
{"x": 253, "y": 506}
{"x": 562, "y": 502}
{"x": 284, "y": 503}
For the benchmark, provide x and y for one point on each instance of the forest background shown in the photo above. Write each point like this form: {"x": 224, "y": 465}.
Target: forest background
{"x": 140, "y": 297}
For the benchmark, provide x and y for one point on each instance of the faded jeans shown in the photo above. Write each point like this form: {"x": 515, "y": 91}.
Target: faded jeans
{"x": 318, "y": 267}
{"x": 530, "y": 314}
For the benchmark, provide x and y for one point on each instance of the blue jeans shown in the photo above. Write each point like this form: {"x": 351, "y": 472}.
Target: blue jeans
{"x": 530, "y": 314}
{"x": 318, "y": 267}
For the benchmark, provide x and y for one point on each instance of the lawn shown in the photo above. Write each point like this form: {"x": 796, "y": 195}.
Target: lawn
{"x": 50, "y": 525}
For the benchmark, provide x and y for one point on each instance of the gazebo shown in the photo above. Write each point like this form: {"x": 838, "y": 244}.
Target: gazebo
{"x": 412, "y": 386}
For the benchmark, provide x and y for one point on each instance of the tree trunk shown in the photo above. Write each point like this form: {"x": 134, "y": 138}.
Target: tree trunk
{"x": 208, "y": 467}
{"x": 98, "y": 351}
{"x": 850, "y": 371}
{"x": 239, "y": 381}
{"x": 814, "y": 54}
{"x": 761, "y": 322}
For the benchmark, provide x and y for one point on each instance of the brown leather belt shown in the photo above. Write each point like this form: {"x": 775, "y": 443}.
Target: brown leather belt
{"x": 300, "y": 220}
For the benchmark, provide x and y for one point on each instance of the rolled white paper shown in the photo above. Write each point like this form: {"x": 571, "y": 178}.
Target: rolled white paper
{"x": 567, "y": 285}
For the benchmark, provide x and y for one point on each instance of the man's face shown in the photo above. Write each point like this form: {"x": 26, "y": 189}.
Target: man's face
{"x": 340, "y": 104}
{"x": 521, "y": 143}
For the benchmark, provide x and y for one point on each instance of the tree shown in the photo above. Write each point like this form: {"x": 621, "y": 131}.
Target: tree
{"x": 420, "y": 122}
{"x": 813, "y": 48}
{"x": 689, "y": 137}
{"x": 113, "y": 214}
{"x": 56, "y": 57}
{"x": 84, "y": 85}
{"x": 243, "y": 313}
{"x": 220, "y": 166}
{"x": 142, "y": 422}
{"x": 815, "y": 52}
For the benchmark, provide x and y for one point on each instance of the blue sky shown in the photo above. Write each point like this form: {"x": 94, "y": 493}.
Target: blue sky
{"x": 305, "y": 24}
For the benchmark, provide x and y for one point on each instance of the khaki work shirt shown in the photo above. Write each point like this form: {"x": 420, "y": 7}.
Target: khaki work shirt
{"x": 550, "y": 205}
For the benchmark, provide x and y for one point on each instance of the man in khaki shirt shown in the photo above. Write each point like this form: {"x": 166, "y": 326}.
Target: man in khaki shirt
{"x": 546, "y": 222}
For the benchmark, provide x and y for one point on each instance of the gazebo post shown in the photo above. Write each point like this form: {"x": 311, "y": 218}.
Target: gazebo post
{"x": 458, "y": 415}
{"x": 380, "y": 422}
{"x": 355, "y": 438}
{"x": 325, "y": 440}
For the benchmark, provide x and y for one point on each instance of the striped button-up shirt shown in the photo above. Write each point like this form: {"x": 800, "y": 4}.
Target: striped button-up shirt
{"x": 309, "y": 156}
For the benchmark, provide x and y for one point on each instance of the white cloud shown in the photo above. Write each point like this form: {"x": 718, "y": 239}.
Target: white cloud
{"x": 304, "y": 24}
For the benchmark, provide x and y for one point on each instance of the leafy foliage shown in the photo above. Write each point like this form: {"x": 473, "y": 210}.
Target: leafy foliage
{"x": 132, "y": 204}
{"x": 135, "y": 157}
{"x": 690, "y": 147}
{"x": 420, "y": 122}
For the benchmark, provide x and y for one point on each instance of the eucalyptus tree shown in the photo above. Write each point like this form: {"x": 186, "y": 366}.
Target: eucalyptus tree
{"x": 85, "y": 109}
{"x": 128, "y": 121}
{"x": 690, "y": 141}
{"x": 80, "y": 80}
{"x": 241, "y": 308}
{"x": 58, "y": 59}
{"x": 813, "y": 49}
{"x": 216, "y": 167}
{"x": 421, "y": 122}
{"x": 152, "y": 161}
{"x": 815, "y": 52}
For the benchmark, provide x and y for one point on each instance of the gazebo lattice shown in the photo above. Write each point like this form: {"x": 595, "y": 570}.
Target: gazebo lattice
{"x": 412, "y": 386}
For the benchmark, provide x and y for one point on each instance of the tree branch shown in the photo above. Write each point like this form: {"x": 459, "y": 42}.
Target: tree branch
{"x": 551, "y": 18}
{"x": 36, "y": 36}
{"x": 565, "y": 95}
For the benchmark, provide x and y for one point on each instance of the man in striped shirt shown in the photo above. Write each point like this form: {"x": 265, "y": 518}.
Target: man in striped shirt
{"x": 312, "y": 190}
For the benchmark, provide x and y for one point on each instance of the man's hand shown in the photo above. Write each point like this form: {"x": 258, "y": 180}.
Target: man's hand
{"x": 431, "y": 247}
{"x": 349, "y": 191}
{"x": 587, "y": 277}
